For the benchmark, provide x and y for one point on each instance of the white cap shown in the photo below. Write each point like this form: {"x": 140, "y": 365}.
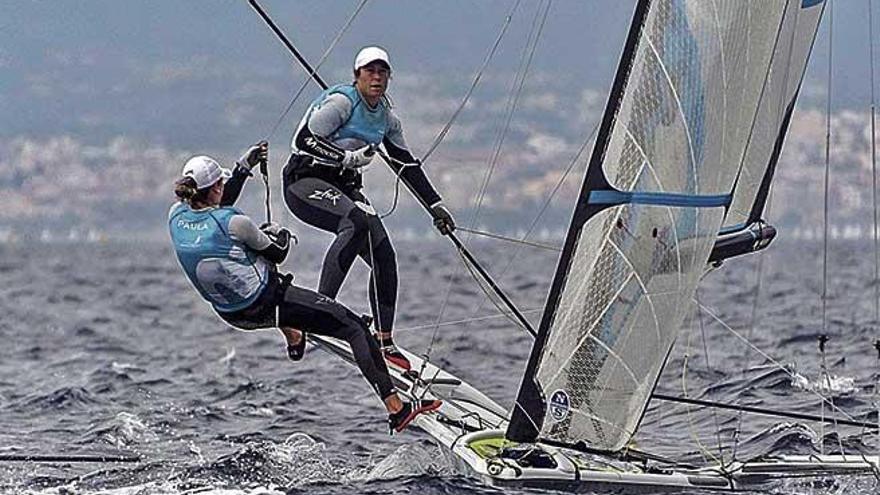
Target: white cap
{"x": 371, "y": 54}
{"x": 205, "y": 171}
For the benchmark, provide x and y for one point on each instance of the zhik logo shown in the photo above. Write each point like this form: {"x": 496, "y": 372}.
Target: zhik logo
{"x": 329, "y": 194}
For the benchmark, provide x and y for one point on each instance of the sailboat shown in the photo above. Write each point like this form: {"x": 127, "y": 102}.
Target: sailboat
{"x": 677, "y": 183}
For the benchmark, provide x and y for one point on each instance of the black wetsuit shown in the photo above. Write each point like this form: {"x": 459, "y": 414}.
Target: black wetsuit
{"x": 282, "y": 304}
{"x": 320, "y": 192}
{"x": 311, "y": 312}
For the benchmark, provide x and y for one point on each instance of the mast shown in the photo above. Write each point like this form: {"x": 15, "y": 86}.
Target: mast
{"x": 677, "y": 126}
{"x": 529, "y": 408}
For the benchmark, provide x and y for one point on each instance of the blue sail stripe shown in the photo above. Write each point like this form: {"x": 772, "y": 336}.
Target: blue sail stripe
{"x": 614, "y": 197}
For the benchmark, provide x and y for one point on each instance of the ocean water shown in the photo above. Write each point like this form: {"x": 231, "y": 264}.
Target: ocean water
{"x": 106, "y": 349}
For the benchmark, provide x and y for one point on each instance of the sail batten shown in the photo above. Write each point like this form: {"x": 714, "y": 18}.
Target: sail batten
{"x": 686, "y": 99}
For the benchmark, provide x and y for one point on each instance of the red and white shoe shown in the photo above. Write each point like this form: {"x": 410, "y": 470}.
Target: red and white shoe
{"x": 398, "y": 421}
{"x": 396, "y": 358}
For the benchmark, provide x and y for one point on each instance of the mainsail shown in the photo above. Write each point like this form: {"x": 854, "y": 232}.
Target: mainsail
{"x": 689, "y": 95}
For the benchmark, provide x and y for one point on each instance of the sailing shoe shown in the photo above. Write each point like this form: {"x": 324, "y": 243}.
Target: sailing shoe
{"x": 297, "y": 351}
{"x": 396, "y": 358}
{"x": 398, "y": 421}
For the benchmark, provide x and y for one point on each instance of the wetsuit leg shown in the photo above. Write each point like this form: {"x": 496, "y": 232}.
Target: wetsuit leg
{"x": 379, "y": 254}
{"x": 315, "y": 313}
{"x": 322, "y": 205}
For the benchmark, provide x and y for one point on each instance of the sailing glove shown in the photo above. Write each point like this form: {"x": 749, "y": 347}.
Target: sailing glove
{"x": 278, "y": 234}
{"x": 442, "y": 219}
{"x": 359, "y": 158}
{"x": 257, "y": 154}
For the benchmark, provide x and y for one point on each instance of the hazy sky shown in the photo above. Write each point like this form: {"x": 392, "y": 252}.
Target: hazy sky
{"x": 173, "y": 70}
{"x": 92, "y": 87}
{"x": 197, "y": 73}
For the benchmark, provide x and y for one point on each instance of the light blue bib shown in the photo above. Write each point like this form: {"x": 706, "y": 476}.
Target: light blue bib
{"x": 365, "y": 124}
{"x": 226, "y": 272}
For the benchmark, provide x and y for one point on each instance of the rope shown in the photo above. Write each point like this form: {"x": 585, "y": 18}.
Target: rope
{"x": 874, "y": 195}
{"x": 827, "y": 170}
{"x": 534, "y": 224}
{"x": 480, "y": 194}
{"x": 314, "y": 71}
{"x": 512, "y": 102}
{"x": 463, "y": 320}
{"x": 707, "y": 455}
{"x": 514, "y": 240}
{"x": 874, "y": 166}
{"x": 442, "y": 134}
{"x": 711, "y": 370}
{"x": 767, "y": 356}
{"x": 753, "y": 318}
{"x": 826, "y": 380}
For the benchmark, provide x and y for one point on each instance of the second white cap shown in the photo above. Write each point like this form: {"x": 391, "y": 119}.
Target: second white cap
{"x": 371, "y": 54}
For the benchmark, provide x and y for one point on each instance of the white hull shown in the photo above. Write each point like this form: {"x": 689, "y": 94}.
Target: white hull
{"x": 471, "y": 426}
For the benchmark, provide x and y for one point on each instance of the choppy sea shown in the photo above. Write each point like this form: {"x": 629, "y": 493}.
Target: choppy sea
{"x": 105, "y": 349}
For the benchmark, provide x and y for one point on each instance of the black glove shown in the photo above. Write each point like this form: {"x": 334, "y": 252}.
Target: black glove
{"x": 257, "y": 154}
{"x": 442, "y": 219}
{"x": 278, "y": 234}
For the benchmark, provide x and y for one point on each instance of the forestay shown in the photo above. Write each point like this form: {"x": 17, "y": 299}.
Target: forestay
{"x": 676, "y": 129}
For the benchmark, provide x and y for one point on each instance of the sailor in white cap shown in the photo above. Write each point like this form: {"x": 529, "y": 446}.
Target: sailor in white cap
{"x": 231, "y": 263}
{"x": 333, "y": 144}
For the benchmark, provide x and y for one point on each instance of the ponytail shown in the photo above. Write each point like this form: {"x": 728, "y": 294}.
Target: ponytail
{"x": 185, "y": 189}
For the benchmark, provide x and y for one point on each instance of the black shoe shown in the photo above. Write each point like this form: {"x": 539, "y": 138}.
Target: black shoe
{"x": 398, "y": 421}
{"x": 296, "y": 352}
{"x": 367, "y": 320}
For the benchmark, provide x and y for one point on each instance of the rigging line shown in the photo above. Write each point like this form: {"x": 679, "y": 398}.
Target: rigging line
{"x": 514, "y": 240}
{"x": 534, "y": 224}
{"x": 827, "y": 170}
{"x": 826, "y": 380}
{"x": 489, "y": 295}
{"x": 442, "y": 134}
{"x": 473, "y": 221}
{"x": 760, "y": 410}
{"x": 767, "y": 357}
{"x": 874, "y": 168}
{"x": 505, "y": 314}
{"x": 440, "y": 313}
{"x": 314, "y": 72}
{"x": 466, "y": 263}
{"x": 512, "y": 102}
{"x": 753, "y": 318}
{"x": 707, "y": 455}
{"x": 711, "y": 370}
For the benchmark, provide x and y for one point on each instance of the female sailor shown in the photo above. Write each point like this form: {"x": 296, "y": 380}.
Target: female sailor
{"x": 334, "y": 142}
{"x": 231, "y": 263}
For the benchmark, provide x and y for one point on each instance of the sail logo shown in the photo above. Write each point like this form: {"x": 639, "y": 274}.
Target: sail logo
{"x": 560, "y": 405}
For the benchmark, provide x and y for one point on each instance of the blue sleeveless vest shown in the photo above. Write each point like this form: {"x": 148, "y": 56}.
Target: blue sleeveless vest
{"x": 226, "y": 272}
{"x": 366, "y": 124}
